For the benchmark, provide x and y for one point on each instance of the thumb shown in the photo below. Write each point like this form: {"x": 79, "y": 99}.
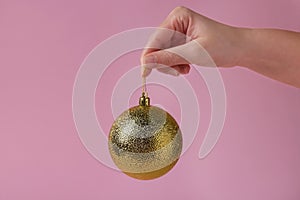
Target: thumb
{"x": 188, "y": 53}
{"x": 164, "y": 57}
{"x": 160, "y": 60}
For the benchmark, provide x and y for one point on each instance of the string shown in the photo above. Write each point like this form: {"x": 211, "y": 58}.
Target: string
{"x": 144, "y": 87}
{"x": 144, "y": 84}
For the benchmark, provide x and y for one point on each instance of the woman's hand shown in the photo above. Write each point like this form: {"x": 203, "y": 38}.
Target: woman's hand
{"x": 180, "y": 39}
{"x": 219, "y": 40}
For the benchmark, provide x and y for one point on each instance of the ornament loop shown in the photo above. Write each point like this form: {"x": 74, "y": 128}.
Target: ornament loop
{"x": 144, "y": 100}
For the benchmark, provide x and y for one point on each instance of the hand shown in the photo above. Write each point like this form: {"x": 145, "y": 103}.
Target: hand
{"x": 186, "y": 37}
{"x": 219, "y": 40}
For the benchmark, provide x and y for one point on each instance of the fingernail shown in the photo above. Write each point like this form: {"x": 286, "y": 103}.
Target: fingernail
{"x": 173, "y": 72}
{"x": 149, "y": 59}
{"x": 186, "y": 70}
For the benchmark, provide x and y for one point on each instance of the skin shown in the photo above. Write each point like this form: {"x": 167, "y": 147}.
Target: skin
{"x": 271, "y": 52}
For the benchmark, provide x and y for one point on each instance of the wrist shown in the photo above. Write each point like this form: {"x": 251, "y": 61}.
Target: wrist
{"x": 243, "y": 46}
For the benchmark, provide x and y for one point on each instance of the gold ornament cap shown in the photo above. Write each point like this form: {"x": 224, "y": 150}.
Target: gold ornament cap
{"x": 144, "y": 100}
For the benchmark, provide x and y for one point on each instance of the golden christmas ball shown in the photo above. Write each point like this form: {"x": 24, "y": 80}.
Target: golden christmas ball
{"x": 145, "y": 142}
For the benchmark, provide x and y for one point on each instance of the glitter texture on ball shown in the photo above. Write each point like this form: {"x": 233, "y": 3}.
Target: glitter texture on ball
{"x": 145, "y": 142}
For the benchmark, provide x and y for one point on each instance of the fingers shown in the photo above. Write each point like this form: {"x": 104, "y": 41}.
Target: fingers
{"x": 160, "y": 59}
{"x": 182, "y": 69}
{"x": 174, "y": 45}
{"x": 164, "y": 57}
{"x": 190, "y": 53}
{"x": 171, "y": 32}
{"x": 164, "y": 38}
{"x": 168, "y": 70}
{"x": 173, "y": 70}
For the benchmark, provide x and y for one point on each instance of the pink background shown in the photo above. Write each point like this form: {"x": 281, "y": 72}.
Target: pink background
{"x": 43, "y": 43}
